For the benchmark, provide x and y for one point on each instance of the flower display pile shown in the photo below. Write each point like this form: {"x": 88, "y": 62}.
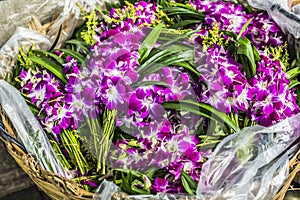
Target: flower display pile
{"x": 142, "y": 96}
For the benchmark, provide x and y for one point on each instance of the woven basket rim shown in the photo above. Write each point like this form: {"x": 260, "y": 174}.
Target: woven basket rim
{"x": 58, "y": 187}
{"x": 38, "y": 175}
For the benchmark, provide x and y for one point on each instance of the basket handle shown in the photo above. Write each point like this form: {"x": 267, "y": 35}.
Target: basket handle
{"x": 7, "y": 137}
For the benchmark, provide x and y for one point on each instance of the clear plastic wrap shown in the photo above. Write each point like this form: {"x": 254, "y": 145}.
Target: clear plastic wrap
{"x": 15, "y": 13}
{"x": 28, "y": 129}
{"x": 21, "y": 38}
{"x": 251, "y": 164}
{"x": 265, "y": 4}
{"x": 280, "y": 11}
{"x": 288, "y": 21}
{"x": 66, "y": 21}
{"x": 107, "y": 190}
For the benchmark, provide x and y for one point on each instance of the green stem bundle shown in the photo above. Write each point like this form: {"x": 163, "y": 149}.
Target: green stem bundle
{"x": 72, "y": 145}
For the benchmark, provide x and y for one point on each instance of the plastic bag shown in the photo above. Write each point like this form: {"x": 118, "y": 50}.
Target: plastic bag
{"x": 280, "y": 12}
{"x": 266, "y": 4}
{"x": 15, "y": 13}
{"x": 68, "y": 19}
{"x": 24, "y": 38}
{"x": 108, "y": 190}
{"x": 28, "y": 129}
{"x": 251, "y": 164}
{"x": 12, "y": 17}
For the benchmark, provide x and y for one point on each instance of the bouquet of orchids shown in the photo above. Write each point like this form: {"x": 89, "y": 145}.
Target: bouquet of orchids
{"x": 140, "y": 95}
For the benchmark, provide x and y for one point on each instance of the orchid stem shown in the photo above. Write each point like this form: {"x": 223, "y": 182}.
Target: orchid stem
{"x": 72, "y": 146}
{"x": 106, "y": 136}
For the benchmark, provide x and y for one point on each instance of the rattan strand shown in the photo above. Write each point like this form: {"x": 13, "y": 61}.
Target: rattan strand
{"x": 59, "y": 188}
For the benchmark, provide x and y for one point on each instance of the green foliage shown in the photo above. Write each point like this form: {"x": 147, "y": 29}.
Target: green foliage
{"x": 129, "y": 12}
{"x": 53, "y": 67}
{"x": 82, "y": 46}
{"x": 106, "y": 134}
{"x": 149, "y": 42}
{"x": 72, "y": 145}
{"x": 173, "y": 51}
{"x": 245, "y": 52}
{"x": 74, "y": 54}
{"x": 134, "y": 182}
{"x": 188, "y": 183}
{"x": 23, "y": 62}
{"x": 23, "y": 59}
{"x": 182, "y": 14}
{"x": 202, "y": 110}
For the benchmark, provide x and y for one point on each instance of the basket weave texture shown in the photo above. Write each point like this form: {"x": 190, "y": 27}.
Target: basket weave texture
{"x": 59, "y": 188}
{"x": 56, "y": 187}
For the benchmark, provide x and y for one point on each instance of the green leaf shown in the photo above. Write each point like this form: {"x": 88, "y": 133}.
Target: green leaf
{"x": 256, "y": 54}
{"x": 51, "y": 66}
{"x": 293, "y": 72}
{"x": 191, "y": 182}
{"x": 185, "y": 11}
{"x": 49, "y": 54}
{"x": 74, "y": 54}
{"x": 245, "y": 62}
{"x": 162, "y": 2}
{"x": 80, "y": 44}
{"x": 293, "y": 84}
{"x": 127, "y": 171}
{"x": 188, "y": 183}
{"x": 184, "y": 23}
{"x": 138, "y": 190}
{"x": 6, "y": 78}
{"x": 244, "y": 48}
{"x": 247, "y": 8}
{"x": 154, "y": 67}
{"x": 187, "y": 55}
{"x": 200, "y": 129}
{"x": 149, "y": 42}
{"x": 203, "y": 110}
{"x": 170, "y": 61}
{"x": 230, "y": 34}
{"x": 243, "y": 29}
{"x": 155, "y": 56}
{"x": 126, "y": 183}
{"x": 173, "y": 39}
{"x": 149, "y": 83}
{"x": 150, "y": 173}
{"x": 187, "y": 67}
{"x": 186, "y": 187}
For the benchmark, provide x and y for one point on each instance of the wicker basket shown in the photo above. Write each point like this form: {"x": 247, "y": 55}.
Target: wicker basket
{"x": 59, "y": 188}
{"x": 56, "y": 187}
{"x": 294, "y": 169}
